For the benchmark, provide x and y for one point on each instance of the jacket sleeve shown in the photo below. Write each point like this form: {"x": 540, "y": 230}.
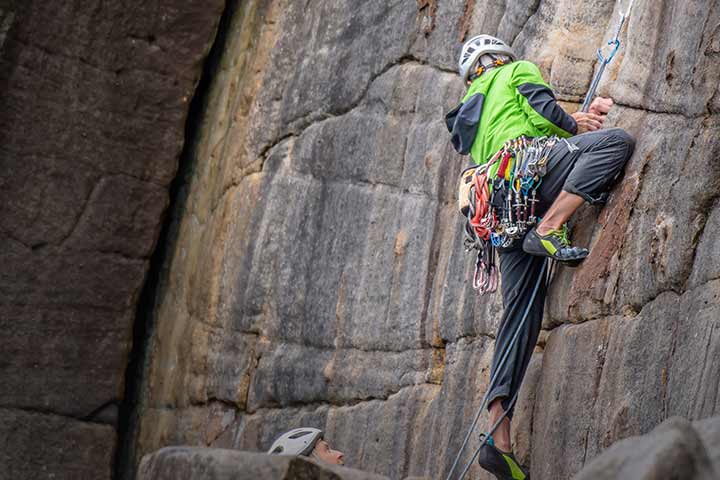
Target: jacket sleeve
{"x": 538, "y": 102}
{"x": 463, "y": 123}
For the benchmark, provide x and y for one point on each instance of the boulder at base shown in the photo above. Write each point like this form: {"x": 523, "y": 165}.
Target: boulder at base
{"x": 194, "y": 463}
{"x": 676, "y": 450}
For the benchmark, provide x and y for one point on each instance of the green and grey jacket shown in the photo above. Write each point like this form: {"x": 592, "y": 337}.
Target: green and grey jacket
{"x": 505, "y": 103}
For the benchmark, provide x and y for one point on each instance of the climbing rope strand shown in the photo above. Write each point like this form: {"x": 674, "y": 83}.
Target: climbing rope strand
{"x": 499, "y": 368}
{"x": 604, "y": 61}
{"x": 488, "y": 434}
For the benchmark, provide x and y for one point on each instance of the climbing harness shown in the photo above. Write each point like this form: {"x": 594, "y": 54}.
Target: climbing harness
{"x": 604, "y": 61}
{"x": 501, "y": 209}
{"x": 501, "y": 364}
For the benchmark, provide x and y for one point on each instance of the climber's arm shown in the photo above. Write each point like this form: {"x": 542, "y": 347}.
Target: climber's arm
{"x": 539, "y": 104}
{"x": 594, "y": 118}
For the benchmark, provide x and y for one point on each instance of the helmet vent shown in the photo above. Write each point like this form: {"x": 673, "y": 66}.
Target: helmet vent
{"x": 478, "y": 46}
{"x": 299, "y": 434}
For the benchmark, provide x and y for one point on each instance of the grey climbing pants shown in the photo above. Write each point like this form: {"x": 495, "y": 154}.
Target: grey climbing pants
{"x": 588, "y": 171}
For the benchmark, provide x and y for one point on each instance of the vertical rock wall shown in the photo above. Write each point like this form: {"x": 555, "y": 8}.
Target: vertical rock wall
{"x": 94, "y": 97}
{"x": 316, "y": 274}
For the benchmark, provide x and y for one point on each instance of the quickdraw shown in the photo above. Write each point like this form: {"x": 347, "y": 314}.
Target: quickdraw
{"x": 502, "y": 208}
{"x": 605, "y": 60}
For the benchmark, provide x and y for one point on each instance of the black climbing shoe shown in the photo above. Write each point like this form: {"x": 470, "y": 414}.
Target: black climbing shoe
{"x": 554, "y": 245}
{"x": 501, "y": 464}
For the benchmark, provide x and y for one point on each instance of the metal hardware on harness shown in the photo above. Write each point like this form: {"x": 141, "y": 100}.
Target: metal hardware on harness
{"x": 615, "y": 43}
{"x": 491, "y": 225}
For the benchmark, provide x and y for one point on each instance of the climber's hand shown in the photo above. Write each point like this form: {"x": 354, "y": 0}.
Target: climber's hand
{"x": 601, "y": 105}
{"x": 588, "y": 122}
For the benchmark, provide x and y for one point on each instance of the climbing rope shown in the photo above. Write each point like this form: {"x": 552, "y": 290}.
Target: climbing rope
{"x": 501, "y": 209}
{"x": 488, "y": 435}
{"x": 605, "y": 60}
{"x": 491, "y": 386}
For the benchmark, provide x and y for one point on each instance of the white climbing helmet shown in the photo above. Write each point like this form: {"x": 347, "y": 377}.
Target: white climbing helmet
{"x": 477, "y": 46}
{"x": 299, "y": 441}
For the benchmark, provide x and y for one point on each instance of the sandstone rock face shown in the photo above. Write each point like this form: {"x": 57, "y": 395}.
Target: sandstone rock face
{"x": 188, "y": 463}
{"x": 40, "y": 445}
{"x": 315, "y": 272}
{"x": 94, "y": 100}
{"x": 675, "y": 449}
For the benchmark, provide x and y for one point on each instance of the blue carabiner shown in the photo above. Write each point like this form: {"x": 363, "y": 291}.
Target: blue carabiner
{"x": 609, "y": 58}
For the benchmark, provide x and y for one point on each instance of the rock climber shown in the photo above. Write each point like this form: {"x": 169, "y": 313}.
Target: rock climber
{"x": 508, "y": 99}
{"x": 306, "y": 442}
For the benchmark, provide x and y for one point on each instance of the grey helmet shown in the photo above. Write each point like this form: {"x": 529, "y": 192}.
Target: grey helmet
{"x": 299, "y": 441}
{"x": 477, "y": 46}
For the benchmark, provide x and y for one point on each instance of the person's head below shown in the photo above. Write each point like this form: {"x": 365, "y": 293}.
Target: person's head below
{"x": 306, "y": 442}
{"x": 482, "y": 53}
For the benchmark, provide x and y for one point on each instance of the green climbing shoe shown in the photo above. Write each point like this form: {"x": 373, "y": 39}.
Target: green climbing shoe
{"x": 503, "y": 465}
{"x": 554, "y": 245}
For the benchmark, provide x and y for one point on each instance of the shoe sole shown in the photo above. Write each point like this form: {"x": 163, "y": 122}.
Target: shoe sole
{"x": 570, "y": 262}
{"x": 541, "y": 252}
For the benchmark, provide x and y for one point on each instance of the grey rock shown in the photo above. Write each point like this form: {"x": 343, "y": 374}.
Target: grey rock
{"x": 45, "y": 446}
{"x": 656, "y": 70}
{"x": 44, "y": 347}
{"x": 674, "y": 450}
{"x": 695, "y": 363}
{"x": 621, "y": 376}
{"x": 338, "y": 376}
{"x": 314, "y": 269}
{"x": 188, "y": 463}
{"x": 706, "y": 267}
{"x": 709, "y": 431}
{"x": 572, "y": 368}
{"x": 95, "y": 98}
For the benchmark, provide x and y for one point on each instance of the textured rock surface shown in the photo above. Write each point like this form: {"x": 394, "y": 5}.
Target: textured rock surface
{"x": 187, "y": 463}
{"x": 94, "y": 100}
{"x": 316, "y": 273}
{"x": 674, "y": 450}
{"x": 45, "y": 446}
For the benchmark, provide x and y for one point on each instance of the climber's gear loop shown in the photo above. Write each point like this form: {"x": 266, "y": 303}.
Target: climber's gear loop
{"x": 501, "y": 209}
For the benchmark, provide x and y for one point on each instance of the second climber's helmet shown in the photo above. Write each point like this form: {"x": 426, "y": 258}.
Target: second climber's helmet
{"x": 299, "y": 441}
{"x": 476, "y": 47}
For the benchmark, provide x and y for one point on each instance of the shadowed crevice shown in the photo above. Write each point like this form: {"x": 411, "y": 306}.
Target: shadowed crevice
{"x": 128, "y": 421}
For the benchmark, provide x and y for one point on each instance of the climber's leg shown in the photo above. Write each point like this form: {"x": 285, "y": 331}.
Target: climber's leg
{"x": 502, "y": 464}
{"x": 520, "y": 273}
{"x": 559, "y": 213}
{"x": 591, "y": 170}
{"x": 582, "y": 168}
{"x": 502, "y": 432}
